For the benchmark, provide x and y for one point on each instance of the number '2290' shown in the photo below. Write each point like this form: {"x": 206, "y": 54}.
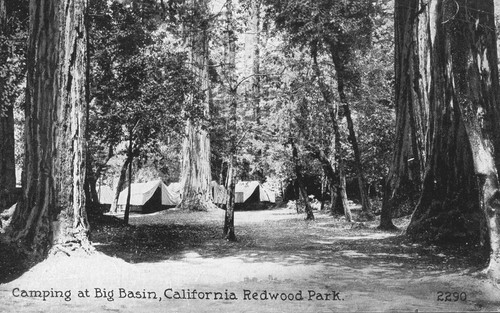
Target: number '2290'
{"x": 451, "y": 296}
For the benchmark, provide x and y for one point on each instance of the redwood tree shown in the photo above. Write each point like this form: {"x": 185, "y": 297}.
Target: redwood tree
{"x": 52, "y": 209}
{"x": 460, "y": 194}
{"x": 196, "y": 172}
{"x": 412, "y": 105}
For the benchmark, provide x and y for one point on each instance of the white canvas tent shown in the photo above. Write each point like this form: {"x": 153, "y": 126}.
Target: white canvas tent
{"x": 105, "y": 194}
{"x": 253, "y": 192}
{"x": 149, "y": 197}
{"x": 175, "y": 189}
{"x": 218, "y": 193}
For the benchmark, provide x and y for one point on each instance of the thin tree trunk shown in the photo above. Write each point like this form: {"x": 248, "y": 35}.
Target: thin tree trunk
{"x": 461, "y": 190}
{"x": 130, "y": 157}
{"x": 343, "y": 194}
{"x": 300, "y": 182}
{"x": 196, "y": 173}
{"x": 120, "y": 185}
{"x": 230, "y": 56}
{"x": 7, "y": 143}
{"x": 255, "y": 29}
{"x": 340, "y": 69}
{"x": 229, "y": 233}
{"x": 52, "y": 209}
{"x": 341, "y": 203}
{"x": 256, "y": 97}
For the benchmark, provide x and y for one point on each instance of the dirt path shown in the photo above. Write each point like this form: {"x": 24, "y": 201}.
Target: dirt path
{"x": 322, "y": 266}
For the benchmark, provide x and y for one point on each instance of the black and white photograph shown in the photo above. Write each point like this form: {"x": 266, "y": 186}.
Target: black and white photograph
{"x": 249, "y": 156}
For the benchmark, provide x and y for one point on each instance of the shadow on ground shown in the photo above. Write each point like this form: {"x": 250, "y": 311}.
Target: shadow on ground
{"x": 12, "y": 263}
{"x": 284, "y": 240}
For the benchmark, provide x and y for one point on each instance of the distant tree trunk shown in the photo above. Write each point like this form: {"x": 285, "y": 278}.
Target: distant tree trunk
{"x": 229, "y": 233}
{"x": 130, "y": 157}
{"x": 403, "y": 184}
{"x": 52, "y": 209}
{"x": 461, "y": 194}
{"x": 258, "y": 172}
{"x": 255, "y": 29}
{"x": 91, "y": 179}
{"x": 196, "y": 172}
{"x": 337, "y": 183}
{"x": 91, "y": 196}
{"x": 120, "y": 185}
{"x": 341, "y": 74}
{"x": 340, "y": 204}
{"x": 300, "y": 181}
{"x": 230, "y": 56}
{"x": 7, "y": 143}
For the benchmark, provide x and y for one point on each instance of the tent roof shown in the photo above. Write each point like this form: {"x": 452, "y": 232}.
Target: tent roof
{"x": 248, "y": 188}
{"x": 142, "y": 192}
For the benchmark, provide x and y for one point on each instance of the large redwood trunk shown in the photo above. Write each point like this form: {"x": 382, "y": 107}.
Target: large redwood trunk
{"x": 52, "y": 210}
{"x": 7, "y": 159}
{"x": 460, "y": 190}
{"x": 404, "y": 180}
{"x": 196, "y": 172}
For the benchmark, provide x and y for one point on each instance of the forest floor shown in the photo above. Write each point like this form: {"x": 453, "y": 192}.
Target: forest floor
{"x": 325, "y": 265}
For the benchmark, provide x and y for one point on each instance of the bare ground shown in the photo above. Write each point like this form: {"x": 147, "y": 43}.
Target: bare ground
{"x": 326, "y": 265}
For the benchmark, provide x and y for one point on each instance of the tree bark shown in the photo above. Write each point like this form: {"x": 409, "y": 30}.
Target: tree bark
{"x": 196, "y": 172}
{"x": 341, "y": 74}
{"x": 229, "y": 233}
{"x": 230, "y": 55}
{"x": 337, "y": 181}
{"x": 52, "y": 209}
{"x": 300, "y": 182}
{"x": 340, "y": 204}
{"x": 406, "y": 171}
{"x": 7, "y": 143}
{"x": 120, "y": 185}
{"x": 255, "y": 29}
{"x": 130, "y": 158}
{"x": 461, "y": 191}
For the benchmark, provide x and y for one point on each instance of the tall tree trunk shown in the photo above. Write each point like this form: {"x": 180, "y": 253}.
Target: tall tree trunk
{"x": 130, "y": 157}
{"x": 340, "y": 185}
{"x": 7, "y": 143}
{"x": 196, "y": 173}
{"x": 52, "y": 209}
{"x": 300, "y": 181}
{"x": 255, "y": 29}
{"x": 461, "y": 191}
{"x": 403, "y": 184}
{"x": 229, "y": 233}
{"x": 230, "y": 56}
{"x": 341, "y": 74}
{"x": 120, "y": 185}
